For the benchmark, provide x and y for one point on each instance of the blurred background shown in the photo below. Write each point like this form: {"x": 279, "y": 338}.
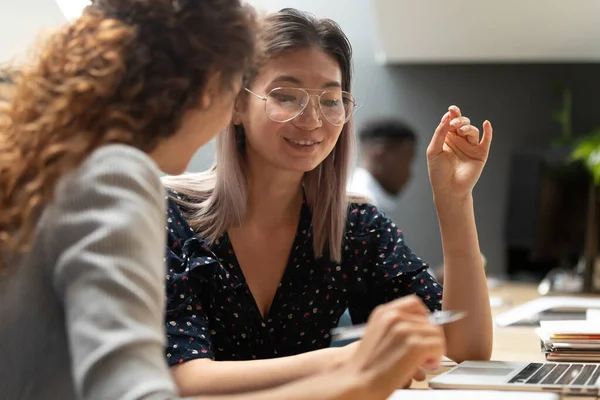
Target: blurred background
{"x": 531, "y": 67}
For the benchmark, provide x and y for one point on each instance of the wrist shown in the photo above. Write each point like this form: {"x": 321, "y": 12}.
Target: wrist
{"x": 357, "y": 388}
{"x": 450, "y": 201}
{"x": 351, "y": 385}
{"x": 339, "y": 357}
{"x": 355, "y": 383}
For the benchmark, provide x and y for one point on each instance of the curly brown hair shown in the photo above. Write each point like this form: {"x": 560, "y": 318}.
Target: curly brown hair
{"x": 125, "y": 71}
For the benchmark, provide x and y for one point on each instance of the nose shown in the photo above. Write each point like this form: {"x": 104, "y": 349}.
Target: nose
{"x": 310, "y": 118}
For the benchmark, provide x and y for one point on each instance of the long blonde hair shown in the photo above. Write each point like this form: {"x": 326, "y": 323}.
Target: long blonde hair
{"x": 216, "y": 200}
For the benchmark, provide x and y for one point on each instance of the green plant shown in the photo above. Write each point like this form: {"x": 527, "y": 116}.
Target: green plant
{"x": 564, "y": 118}
{"x": 587, "y": 150}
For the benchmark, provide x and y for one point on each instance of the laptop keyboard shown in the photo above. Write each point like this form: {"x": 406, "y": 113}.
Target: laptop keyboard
{"x": 558, "y": 374}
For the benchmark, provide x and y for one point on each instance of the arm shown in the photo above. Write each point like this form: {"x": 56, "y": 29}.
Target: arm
{"x": 332, "y": 386}
{"x": 107, "y": 231}
{"x": 456, "y": 158}
{"x": 213, "y": 377}
{"x": 399, "y": 339}
{"x": 470, "y": 338}
{"x": 395, "y": 271}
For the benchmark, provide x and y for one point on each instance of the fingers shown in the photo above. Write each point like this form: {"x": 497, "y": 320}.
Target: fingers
{"x": 455, "y": 111}
{"x": 423, "y": 350}
{"x": 408, "y": 347}
{"x": 463, "y": 128}
{"x": 419, "y": 376}
{"x": 399, "y": 340}
{"x": 400, "y": 327}
{"x": 486, "y": 140}
{"x": 389, "y": 319}
{"x": 470, "y": 133}
{"x": 453, "y": 116}
{"x": 436, "y": 146}
{"x": 387, "y": 316}
{"x": 459, "y": 122}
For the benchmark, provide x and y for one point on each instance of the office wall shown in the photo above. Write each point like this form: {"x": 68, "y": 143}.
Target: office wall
{"x": 518, "y": 99}
{"x": 22, "y": 23}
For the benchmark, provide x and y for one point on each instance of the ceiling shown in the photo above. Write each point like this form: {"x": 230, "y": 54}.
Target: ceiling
{"x": 72, "y": 8}
{"x": 475, "y": 31}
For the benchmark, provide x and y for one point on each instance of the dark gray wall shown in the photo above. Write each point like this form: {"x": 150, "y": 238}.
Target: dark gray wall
{"x": 518, "y": 99}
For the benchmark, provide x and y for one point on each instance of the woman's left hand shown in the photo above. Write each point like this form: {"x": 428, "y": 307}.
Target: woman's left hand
{"x": 456, "y": 156}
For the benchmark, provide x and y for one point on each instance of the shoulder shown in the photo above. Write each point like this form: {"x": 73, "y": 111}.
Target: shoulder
{"x": 112, "y": 204}
{"x": 113, "y": 177}
{"x": 123, "y": 160}
{"x": 116, "y": 165}
{"x": 121, "y": 152}
{"x": 362, "y": 214}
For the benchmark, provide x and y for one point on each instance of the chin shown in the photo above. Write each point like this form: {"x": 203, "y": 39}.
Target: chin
{"x": 302, "y": 167}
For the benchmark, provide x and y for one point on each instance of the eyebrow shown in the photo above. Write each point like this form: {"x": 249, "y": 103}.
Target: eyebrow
{"x": 291, "y": 79}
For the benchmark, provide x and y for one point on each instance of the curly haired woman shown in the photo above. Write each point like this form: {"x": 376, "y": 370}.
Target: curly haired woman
{"x": 130, "y": 89}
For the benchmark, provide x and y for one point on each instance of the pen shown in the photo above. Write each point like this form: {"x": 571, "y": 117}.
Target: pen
{"x": 357, "y": 331}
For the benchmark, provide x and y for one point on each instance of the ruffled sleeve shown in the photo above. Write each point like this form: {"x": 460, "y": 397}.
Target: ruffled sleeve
{"x": 190, "y": 268}
{"x": 376, "y": 247}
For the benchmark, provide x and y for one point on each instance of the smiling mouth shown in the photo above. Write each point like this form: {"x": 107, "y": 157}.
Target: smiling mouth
{"x": 302, "y": 142}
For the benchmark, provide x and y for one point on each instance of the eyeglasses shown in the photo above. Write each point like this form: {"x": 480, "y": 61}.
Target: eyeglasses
{"x": 283, "y": 104}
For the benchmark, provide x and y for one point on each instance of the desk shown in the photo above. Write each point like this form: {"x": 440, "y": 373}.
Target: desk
{"x": 519, "y": 343}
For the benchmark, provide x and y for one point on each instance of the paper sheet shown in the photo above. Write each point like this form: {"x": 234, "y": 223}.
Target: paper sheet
{"x": 570, "y": 327}
{"x": 530, "y": 309}
{"x": 470, "y": 395}
{"x": 592, "y": 315}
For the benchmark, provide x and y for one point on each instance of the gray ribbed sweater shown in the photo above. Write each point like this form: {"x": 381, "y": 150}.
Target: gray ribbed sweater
{"x": 81, "y": 315}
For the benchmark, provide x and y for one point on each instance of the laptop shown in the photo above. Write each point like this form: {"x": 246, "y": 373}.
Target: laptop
{"x": 570, "y": 379}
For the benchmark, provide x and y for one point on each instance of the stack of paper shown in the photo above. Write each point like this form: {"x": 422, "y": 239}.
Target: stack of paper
{"x": 570, "y": 340}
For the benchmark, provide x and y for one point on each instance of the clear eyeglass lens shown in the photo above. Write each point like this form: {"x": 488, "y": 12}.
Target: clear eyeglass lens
{"x": 284, "y": 104}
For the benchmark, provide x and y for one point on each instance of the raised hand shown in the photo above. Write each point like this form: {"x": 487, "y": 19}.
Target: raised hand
{"x": 456, "y": 156}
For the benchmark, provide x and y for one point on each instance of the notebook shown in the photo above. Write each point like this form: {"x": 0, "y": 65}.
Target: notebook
{"x": 570, "y": 341}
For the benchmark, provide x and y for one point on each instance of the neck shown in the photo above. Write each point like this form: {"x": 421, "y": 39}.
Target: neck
{"x": 162, "y": 155}
{"x": 158, "y": 156}
{"x": 274, "y": 196}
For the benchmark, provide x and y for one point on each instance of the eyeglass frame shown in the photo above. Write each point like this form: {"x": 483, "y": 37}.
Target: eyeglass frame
{"x": 305, "y": 90}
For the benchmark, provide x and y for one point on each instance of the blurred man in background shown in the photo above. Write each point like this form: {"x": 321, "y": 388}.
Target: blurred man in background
{"x": 387, "y": 151}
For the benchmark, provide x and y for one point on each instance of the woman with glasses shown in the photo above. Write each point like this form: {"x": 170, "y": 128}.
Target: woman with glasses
{"x": 266, "y": 249}
{"x": 84, "y": 135}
